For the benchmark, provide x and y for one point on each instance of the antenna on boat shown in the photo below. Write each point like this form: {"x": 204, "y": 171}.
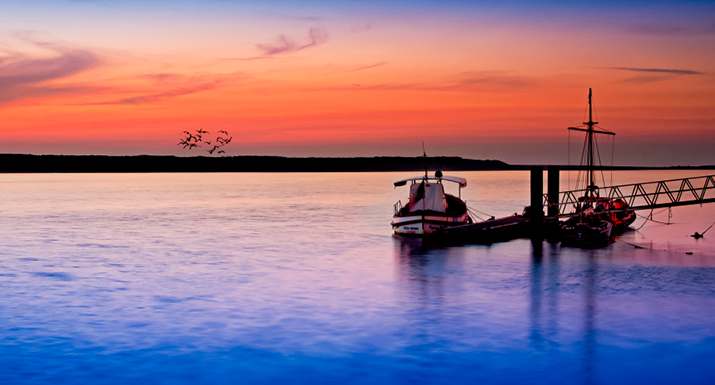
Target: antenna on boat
{"x": 424, "y": 155}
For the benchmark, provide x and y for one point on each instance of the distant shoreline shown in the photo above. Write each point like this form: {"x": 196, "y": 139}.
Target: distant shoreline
{"x": 24, "y": 163}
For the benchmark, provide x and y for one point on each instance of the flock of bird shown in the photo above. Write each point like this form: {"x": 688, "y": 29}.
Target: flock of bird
{"x": 189, "y": 140}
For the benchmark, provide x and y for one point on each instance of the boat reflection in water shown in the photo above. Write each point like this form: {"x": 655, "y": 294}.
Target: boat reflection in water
{"x": 546, "y": 279}
{"x": 547, "y": 302}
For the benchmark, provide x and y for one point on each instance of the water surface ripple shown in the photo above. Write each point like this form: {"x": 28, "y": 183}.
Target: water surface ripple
{"x": 268, "y": 278}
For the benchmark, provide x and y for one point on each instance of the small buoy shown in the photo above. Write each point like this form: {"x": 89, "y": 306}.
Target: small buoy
{"x": 689, "y": 252}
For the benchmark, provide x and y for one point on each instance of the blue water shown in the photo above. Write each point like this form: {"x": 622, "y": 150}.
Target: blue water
{"x": 272, "y": 278}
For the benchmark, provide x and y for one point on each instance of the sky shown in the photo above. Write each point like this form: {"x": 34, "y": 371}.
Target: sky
{"x": 476, "y": 79}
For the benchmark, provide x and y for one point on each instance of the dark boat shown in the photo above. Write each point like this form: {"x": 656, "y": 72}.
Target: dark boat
{"x": 596, "y": 217}
{"x": 586, "y": 229}
{"x": 486, "y": 232}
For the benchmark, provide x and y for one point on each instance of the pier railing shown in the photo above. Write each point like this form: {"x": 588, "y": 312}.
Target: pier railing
{"x": 645, "y": 196}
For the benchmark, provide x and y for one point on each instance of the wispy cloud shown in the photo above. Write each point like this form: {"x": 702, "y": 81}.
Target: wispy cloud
{"x": 356, "y": 69}
{"x": 666, "y": 30}
{"x": 494, "y": 78}
{"x": 367, "y": 67}
{"x": 170, "y": 85}
{"x": 482, "y": 81}
{"x": 22, "y": 76}
{"x": 168, "y": 94}
{"x": 285, "y": 44}
{"x": 162, "y": 77}
{"x": 650, "y": 75}
{"x": 659, "y": 70}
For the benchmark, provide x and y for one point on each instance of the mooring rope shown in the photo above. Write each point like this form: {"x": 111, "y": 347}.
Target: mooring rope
{"x": 644, "y": 222}
{"x": 473, "y": 212}
{"x": 706, "y": 230}
{"x": 650, "y": 218}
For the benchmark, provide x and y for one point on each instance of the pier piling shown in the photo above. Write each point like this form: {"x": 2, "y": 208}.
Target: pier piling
{"x": 553, "y": 186}
{"x": 537, "y": 194}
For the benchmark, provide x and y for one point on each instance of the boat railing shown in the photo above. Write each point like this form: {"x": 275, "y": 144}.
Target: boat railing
{"x": 398, "y": 207}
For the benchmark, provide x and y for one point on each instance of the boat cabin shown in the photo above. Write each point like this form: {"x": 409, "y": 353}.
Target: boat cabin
{"x": 428, "y": 195}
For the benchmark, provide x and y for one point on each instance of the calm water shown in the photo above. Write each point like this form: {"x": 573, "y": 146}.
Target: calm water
{"x": 268, "y": 278}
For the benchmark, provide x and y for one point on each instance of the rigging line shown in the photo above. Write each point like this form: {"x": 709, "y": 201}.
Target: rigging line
{"x": 471, "y": 212}
{"x": 670, "y": 214}
{"x": 569, "y": 172}
{"x": 640, "y": 247}
{"x": 583, "y": 158}
{"x": 613, "y": 151}
{"x": 595, "y": 113}
{"x": 598, "y": 152}
{"x": 706, "y": 230}
{"x": 655, "y": 221}
{"x": 646, "y": 220}
{"x": 631, "y": 244}
{"x": 658, "y": 212}
{"x": 480, "y": 212}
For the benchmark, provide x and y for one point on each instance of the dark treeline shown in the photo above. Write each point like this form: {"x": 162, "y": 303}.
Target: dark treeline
{"x": 151, "y": 163}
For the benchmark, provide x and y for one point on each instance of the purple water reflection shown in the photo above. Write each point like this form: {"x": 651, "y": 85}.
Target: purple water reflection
{"x": 225, "y": 278}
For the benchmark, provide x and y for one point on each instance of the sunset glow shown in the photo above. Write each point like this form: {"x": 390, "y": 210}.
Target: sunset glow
{"x": 485, "y": 80}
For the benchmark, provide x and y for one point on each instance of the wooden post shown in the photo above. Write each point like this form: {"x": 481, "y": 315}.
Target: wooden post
{"x": 553, "y": 191}
{"x": 537, "y": 195}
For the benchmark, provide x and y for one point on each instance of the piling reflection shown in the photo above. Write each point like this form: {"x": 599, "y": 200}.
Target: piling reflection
{"x": 589, "y": 330}
{"x": 545, "y": 282}
{"x": 557, "y": 304}
{"x": 535, "y": 335}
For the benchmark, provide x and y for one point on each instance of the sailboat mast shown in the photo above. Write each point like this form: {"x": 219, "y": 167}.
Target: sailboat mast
{"x": 590, "y": 143}
{"x": 590, "y": 131}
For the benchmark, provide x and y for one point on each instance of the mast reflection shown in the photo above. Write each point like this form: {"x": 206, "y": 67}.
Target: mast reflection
{"x": 545, "y": 281}
{"x": 546, "y": 268}
{"x": 589, "y": 330}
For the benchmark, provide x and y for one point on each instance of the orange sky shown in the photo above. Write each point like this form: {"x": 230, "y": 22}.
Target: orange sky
{"x": 333, "y": 79}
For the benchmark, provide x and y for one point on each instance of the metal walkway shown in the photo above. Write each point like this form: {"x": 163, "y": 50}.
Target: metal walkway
{"x": 645, "y": 196}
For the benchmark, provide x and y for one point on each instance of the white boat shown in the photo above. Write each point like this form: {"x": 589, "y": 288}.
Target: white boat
{"x": 429, "y": 209}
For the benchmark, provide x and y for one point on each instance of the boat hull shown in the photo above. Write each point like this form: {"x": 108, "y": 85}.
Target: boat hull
{"x": 587, "y": 234}
{"x": 617, "y": 212}
{"x": 489, "y": 231}
{"x": 421, "y": 225}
